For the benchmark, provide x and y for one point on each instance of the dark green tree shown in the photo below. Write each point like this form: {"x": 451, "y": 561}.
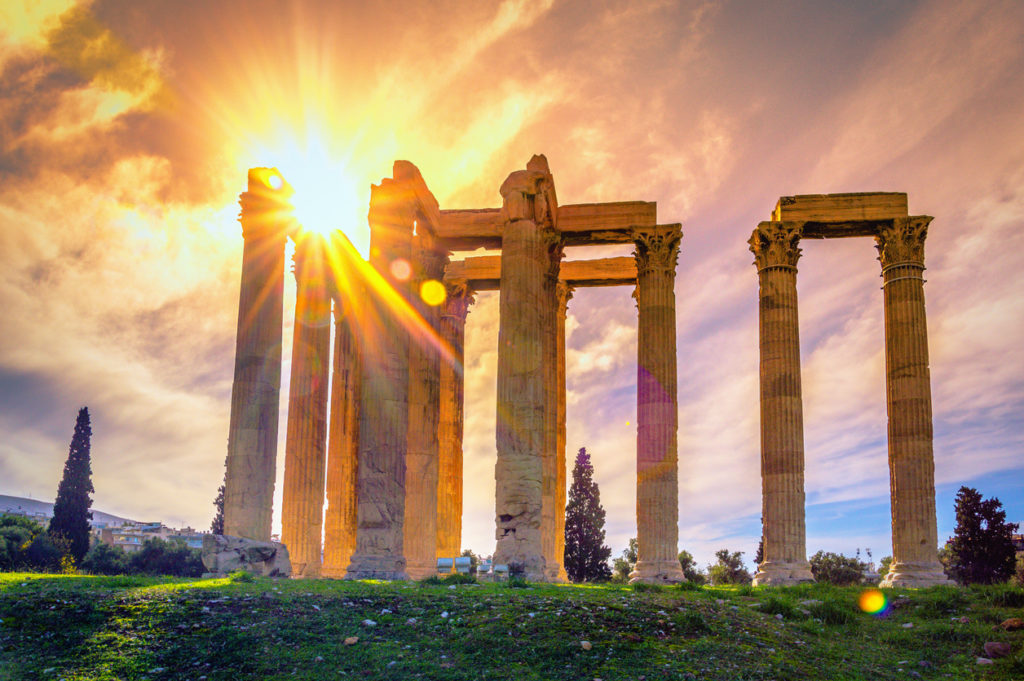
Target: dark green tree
{"x": 759, "y": 554}
{"x": 69, "y": 527}
{"x": 586, "y": 556}
{"x": 217, "y": 526}
{"x": 623, "y": 566}
{"x": 729, "y": 569}
{"x": 981, "y": 550}
{"x": 690, "y": 570}
{"x": 835, "y": 568}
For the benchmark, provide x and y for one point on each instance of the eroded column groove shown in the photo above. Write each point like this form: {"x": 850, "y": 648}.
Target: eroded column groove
{"x": 563, "y": 294}
{"x": 256, "y": 390}
{"x": 549, "y": 321}
{"x": 775, "y": 246}
{"x": 909, "y": 404}
{"x": 657, "y": 506}
{"x": 450, "y": 424}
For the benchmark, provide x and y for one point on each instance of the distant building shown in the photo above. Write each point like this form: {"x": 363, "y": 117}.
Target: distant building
{"x": 131, "y": 536}
{"x": 1018, "y": 544}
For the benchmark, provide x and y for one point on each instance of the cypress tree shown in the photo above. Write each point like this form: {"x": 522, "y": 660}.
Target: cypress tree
{"x": 981, "y": 549}
{"x": 217, "y": 526}
{"x": 586, "y": 556}
{"x": 69, "y": 527}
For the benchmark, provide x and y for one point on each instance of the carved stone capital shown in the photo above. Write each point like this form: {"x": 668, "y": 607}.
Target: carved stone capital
{"x": 657, "y": 249}
{"x": 902, "y": 242}
{"x": 431, "y": 261}
{"x": 556, "y": 251}
{"x": 563, "y": 293}
{"x": 776, "y": 244}
{"x": 458, "y": 299}
{"x": 530, "y": 195}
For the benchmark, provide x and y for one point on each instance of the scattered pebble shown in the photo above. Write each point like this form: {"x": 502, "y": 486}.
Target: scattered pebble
{"x": 411, "y": 621}
{"x": 985, "y": 660}
{"x": 1012, "y": 624}
{"x": 369, "y": 623}
{"x": 351, "y": 640}
{"x": 444, "y": 615}
{"x": 586, "y": 645}
{"x": 997, "y": 649}
{"x": 908, "y": 625}
{"x": 318, "y": 659}
{"x": 384, "y": 611}
{"x": 778, "y": 616}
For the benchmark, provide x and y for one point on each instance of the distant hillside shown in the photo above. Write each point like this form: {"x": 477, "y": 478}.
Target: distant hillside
{"x": 36, "y": 507}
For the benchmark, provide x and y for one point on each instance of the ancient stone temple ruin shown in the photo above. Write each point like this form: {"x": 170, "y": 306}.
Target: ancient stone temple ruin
{"x": 390, "y": 457}
{"x": 387, "y": 456}
{"x": 899, "y": 238}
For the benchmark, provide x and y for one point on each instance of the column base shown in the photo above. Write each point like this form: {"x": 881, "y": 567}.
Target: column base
{"x": 916, "y": 575}
{"x": 333, "y": 572}
{"x": 777, "y": 573}
{"x": 419, "y": 572}
{"x": 376, "y": 567}
{"x": 657, "y": 572}
{"x": 533, "y": 568}
{"x": 306, "y": 571}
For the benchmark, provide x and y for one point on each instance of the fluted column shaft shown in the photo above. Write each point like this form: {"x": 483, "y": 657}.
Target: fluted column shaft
{"x": 549, "y": 321}
{"x": 776, "y": 250}
{"x": 563, "y": 293}
{"x": 424, "y": 412}
{"x": 450, "y": 423}
{"x": 306, "y": 444}
{"x": 343, "y": 445}
{"x": 384, "y": 409}
{"x": 255, "y": 392}
{"x": 657, "y": 507}
{"x": 909, "y": 403}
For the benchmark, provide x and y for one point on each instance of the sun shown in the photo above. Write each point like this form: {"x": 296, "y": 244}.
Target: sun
{"x": 326, "y": 197}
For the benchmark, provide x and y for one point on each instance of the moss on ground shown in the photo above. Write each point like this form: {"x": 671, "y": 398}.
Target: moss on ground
{"x": 81, "y": 627}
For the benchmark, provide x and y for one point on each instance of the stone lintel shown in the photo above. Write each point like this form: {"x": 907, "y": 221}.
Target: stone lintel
{"x": 579, "y": 224}
{"x": 483, "y": 273}
{"x": 850, "y": 208}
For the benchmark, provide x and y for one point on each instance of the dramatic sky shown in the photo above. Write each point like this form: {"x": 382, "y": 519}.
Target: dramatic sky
{"x": 126, "y": 128}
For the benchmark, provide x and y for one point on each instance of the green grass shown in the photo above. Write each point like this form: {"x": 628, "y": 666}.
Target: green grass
{"x": 79, "y": 627}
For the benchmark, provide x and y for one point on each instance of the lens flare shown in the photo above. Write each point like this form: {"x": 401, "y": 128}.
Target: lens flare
{"x": 401, "y": 270}
{"x": 275, "y": 181}
{"x": 874, "y": 602}
{"x": 432, "y": 292}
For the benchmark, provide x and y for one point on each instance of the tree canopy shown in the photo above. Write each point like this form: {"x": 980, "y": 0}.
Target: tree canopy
{"x": 69, "y": 527}
{"x": 586, "y": 556}
{"x": 981, "y": 550}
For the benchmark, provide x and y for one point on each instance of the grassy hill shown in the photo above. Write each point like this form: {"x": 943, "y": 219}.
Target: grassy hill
{"x": 79, "y": 627}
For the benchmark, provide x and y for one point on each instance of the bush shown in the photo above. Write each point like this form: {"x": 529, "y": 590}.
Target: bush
{"x": 729, "y": 569}
{"x": 42, "y": 554}
{"x": 159, "y": 557}
{"x": 837, "y": 569}
{"x": 104, "y": 559}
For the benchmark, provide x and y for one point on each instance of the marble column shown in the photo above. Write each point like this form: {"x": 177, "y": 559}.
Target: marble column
{"x": 384, "y": 390}
{"x": 521, "y": 403}
{"x": 908, "y": 399}
{"x": 450, "y": 424}
{"x": 343, "y": 445}
{"x": 775, "y": 246}
{"x": 657, "y": 465}
{"x": 563, "y": 293}
{"x": 421, "y": 478}
{"x": 255, "y": 393}
{"x": 302, "y": 505}
{"x": 549, "y": 321}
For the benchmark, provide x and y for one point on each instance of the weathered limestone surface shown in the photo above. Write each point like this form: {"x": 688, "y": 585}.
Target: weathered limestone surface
{"x": 450, "y": 425}
{"x": 223, "y": 555}
{"x": 483, "y": 272}
{"x": 384, "y": 389}
{"x": 563, "y": 293}
{"x": 859, "y": 206}
{"x": 657, "y": 505}
{"x": 549, "y": 482}
{"x": 529, "y": 209}
{"x": 302, "y": 504}
{"x": 909, "y": 402}
{"x": 255, "y": 393}
{"x": 775, "y": 246}
{"x": 421, "y": 477}
{"x": 585, "y": 223}
{"x": 343, "y": 446}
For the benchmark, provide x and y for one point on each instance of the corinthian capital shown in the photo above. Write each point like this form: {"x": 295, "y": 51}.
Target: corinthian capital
{"x": 459, "y": 297}
{"x": 563, "y": 293}
{"x": 776, "y": 244}
{"x": 657, "y": 248}
{"x": 902, "y": 242}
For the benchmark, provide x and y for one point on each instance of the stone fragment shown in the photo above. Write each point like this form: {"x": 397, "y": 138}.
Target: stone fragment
{"x": 1012, "y": 624}
{"x": 586, "y": 645}
{"x": 996, "y": 649}
{"x": 985, "y": 660}
{"x": 223, "y": 554}
{"x": 351, "y": 640}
